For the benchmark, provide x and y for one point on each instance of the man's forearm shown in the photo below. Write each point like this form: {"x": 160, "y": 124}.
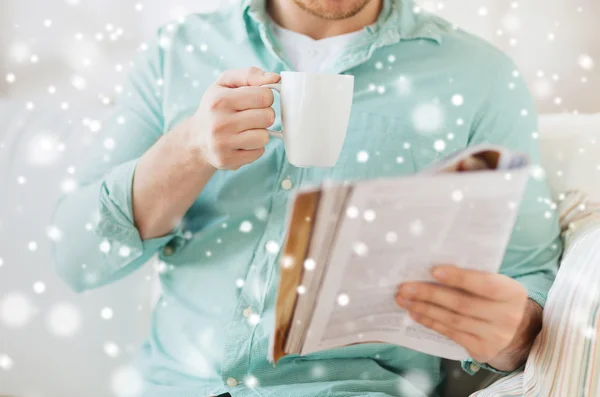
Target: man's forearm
{"x": 168, "y": 179}
{"x": 517, "y": 352}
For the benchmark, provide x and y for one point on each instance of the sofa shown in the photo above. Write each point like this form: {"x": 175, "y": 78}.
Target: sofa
{"x": 36, "y": 150}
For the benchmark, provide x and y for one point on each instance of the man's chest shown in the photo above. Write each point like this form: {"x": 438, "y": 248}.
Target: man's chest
{"x": 403, "y": 119}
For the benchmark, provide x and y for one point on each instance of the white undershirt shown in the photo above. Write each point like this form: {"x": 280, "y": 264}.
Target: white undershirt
{"x": 309, "y": 55}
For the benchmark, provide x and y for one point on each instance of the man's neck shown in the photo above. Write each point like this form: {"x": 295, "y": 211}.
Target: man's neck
{"x": 289, "y": 15}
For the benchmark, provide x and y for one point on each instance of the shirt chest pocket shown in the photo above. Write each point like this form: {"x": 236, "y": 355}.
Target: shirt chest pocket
{"x": 379, "y": 146}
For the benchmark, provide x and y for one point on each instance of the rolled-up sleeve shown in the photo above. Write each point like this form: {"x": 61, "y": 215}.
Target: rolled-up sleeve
{"x": 100, "y": 243}
{"x": 508, "y": 118}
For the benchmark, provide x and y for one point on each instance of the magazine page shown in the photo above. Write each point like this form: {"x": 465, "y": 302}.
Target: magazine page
{"x": 396, "y": 230}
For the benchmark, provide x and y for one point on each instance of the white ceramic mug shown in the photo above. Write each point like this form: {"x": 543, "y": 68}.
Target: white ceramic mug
{"x": 315, "y": 112}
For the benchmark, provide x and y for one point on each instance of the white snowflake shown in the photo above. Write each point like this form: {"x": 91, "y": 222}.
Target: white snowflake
{"x": 251, "y": 381}
{"x": 343, "y": 299}
{"x": 428, "y": 118}
{"x": 127, "y": 382}
{"x": 68, "y": 185}
{"x": 246, "y": 227}
{"x": 317, "y": 371}
{"x": 415, "y": 378}
{"x": 32, "y": 246}
{"x": 64, "y": 320}
{"x": 79, "y": 83}
{"x": 106, "y": 313}
{"x": 272, "y": 247}
{"x": 109, "y": 144}
{"x": 511, "y": 23}
{"x": 439, "y": 145}
{"x": 301, "y": 289}
{"x": 369, "y": 215}
{"x": 362, "y": 156}
{"x": 360, "y": 249}
{"x": 124, "y": 251}
{"x": 457, "y": 100}
{"x": 6, "y": 363}
{"x": 111, "y": 349}
{"x": 403, "y": 85}
{"x": 54, "y": 233}
{"x": 254, "y": 319}
{"x": 39, "y": 287}
{"x": 16, "y": 311}
{"x": 586, "y": 62}
{"x": 457, "y": 195}
{"x": 310, "y": 264}
{"x": 261, "y": 213}
{"x": 105, "y": 246}
{"x": 287, "y": 261}
{"x": 352, "y": 212}
{"x": 239, "y": 283}
{"x": 416, "y": 227}
{"x": 391, "y": 237}
{"x": 538, "y": 172}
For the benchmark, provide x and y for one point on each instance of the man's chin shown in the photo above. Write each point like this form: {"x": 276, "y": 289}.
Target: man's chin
{"x": 332, "y": 9}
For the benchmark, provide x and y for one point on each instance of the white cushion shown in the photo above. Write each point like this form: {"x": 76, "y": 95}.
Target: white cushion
{"x": 570, "y": 147}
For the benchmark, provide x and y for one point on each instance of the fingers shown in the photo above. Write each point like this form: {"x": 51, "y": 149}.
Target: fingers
{"x": 246, "y": 77}
{"x": 492, "y": 286}
{"x": 252, "y": 119}
{"x": 244, "y": 157}
{"x": 448, "y": 298}
{"x": 250, "y": 140}
{"x": 462, "y": 338}
{"x": 245, "y": 98}
{"x": 449, "y": 318}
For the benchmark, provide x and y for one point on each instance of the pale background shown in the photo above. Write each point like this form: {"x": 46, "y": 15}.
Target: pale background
{"x": 66, "y": 52}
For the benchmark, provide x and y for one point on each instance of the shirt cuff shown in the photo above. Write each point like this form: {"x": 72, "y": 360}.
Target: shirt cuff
{"x": 471, "y": 367}
{"x": 122, "y": 243}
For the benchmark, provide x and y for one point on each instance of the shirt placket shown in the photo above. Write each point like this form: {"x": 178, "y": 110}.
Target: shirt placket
{"x": 240, "y": 350}
{"x": 246, "y": 320}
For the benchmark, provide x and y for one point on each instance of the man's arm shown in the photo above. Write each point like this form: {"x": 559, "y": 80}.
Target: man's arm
{"x": 99, "y": 242}
{"x": 137, "y": 192}
{"x": 496, "y": 317}
{"x": 227, "y": 132}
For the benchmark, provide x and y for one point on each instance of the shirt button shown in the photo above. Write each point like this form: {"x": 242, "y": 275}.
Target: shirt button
{"x": 168, "y": 250}
{"x": 231, "y": 382}
{"x": 474, "y": 367}
{"x": 312, "y": 53}
{"x": 286, "y": 184}
{"x": 247, "y": 312}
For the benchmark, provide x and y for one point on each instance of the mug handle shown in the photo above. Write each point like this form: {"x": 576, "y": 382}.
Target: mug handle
{"x": 276, "y": 87}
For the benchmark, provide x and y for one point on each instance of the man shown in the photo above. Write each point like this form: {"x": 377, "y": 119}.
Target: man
{"x": 191, "y": 174}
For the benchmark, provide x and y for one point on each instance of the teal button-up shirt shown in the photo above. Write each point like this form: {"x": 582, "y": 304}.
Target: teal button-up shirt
{"x": 423, "y": 89}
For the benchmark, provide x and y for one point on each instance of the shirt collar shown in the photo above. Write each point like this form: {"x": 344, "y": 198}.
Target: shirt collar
{"x": 398, "y": 20}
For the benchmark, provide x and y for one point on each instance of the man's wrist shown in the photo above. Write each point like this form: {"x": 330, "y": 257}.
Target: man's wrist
{"x": 515, "y": 355}
{"x": 186, "y": 141}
